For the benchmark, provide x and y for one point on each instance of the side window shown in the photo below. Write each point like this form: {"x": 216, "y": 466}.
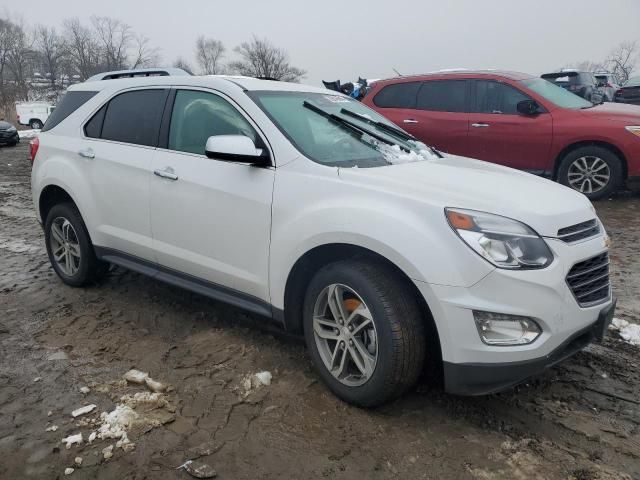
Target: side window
{"x": 443, "y": 96}
{"x": 398, "y": 95}
{"x": 199, "y": 115}
{"x": 496, "y": 97}
{"x": 134, "y": 117}
{"x": 70, "y": 102}
{"x": 93, "y": 128}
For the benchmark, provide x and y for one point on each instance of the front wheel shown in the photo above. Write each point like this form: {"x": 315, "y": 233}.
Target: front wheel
{"x": 364, "y": 332}
{"x": 594, "y": 171}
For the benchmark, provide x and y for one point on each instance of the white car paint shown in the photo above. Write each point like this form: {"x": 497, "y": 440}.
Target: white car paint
{"x": 244, "y": 228}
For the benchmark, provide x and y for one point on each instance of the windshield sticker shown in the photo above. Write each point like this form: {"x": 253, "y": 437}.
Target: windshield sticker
{"x": 336, "y": 99}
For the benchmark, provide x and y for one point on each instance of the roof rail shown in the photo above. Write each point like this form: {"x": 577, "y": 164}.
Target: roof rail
{"x": 142, "y": 72}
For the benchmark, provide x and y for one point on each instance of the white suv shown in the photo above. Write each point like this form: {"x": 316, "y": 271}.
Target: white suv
{"x": 302, "y": 205}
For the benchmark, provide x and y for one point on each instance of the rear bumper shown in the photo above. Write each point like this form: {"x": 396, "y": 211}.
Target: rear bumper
{"x": 487, "y": 378}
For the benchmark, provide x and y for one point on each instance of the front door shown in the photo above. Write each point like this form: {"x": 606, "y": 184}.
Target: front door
{"x": 211, "y": 218}
{"x": 499, "y": 134}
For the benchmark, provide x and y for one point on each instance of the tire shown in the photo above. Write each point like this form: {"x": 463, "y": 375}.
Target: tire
{"x": 83, "y": 267}
{"x": 582, "y": 160}
{"x": 399, "y": 331}
{"x": 35, "y": 124}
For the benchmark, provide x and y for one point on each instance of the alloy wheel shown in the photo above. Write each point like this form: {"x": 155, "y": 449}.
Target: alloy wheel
{"x": 65, "y": 246}
{"x": 345, "y": 335}
{"x": 589, "y": 174}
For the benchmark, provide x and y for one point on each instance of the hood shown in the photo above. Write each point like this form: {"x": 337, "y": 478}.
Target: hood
{"x": 5, "y": 125}
{"x": 623, "y": 112}
{"x": 454, "y": 181}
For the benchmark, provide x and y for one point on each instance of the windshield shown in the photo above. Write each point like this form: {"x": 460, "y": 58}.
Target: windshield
{"x": 555, "y": 94}
{"x": 633, "y": 82}
{"x": 337, "y": 131}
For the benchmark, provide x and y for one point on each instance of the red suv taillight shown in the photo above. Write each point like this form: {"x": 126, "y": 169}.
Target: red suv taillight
{"x": 33, "y": 149}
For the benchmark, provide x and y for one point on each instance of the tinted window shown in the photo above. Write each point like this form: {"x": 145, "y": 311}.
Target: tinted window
{"x": 134, "y": 117}
{"x": 495, "y": 97}
{"x": 399, "y": 95}
{"x": 93, "y": 128}
{"x": 199, "y": 115}
{"x": 443, "y": 96}
{"x": 70, "y": 102}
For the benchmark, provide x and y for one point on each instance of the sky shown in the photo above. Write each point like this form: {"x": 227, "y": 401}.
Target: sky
{"x": 344, "y": 40}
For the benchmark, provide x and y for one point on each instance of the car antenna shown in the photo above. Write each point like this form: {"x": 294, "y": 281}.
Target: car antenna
{"x": 397, "y": 72}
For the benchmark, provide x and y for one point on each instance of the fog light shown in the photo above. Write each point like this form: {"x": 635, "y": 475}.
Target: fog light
{"x": 502, "y": 329}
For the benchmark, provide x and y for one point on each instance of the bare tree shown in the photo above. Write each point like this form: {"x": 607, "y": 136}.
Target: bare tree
{"x": 183, "y": 64}
{"x": 209, "y": 53}
{"x": 259, "y": 58}
{"x": 84, "y": 53}
{"x": 144, "y": 54}
{"x": 114, "y": 38}
{"x": 20, "y": 59}
{"x": 623, "y": 59}
{"x": 52, "y": 51}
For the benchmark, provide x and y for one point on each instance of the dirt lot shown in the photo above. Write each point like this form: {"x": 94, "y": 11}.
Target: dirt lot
{"x": 580, "y": 420}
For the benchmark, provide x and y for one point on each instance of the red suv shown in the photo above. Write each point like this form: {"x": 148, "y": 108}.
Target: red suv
{"x": 519, "y": 121}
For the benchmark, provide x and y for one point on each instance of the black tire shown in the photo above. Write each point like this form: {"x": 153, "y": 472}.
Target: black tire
{"x": 611, "y": 159}
{"x": 35, "y": 124}
{"x": 89, "y": 268}
{"x": 400, "y": 327}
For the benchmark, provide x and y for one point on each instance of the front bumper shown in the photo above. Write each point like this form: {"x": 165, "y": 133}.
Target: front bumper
{"x": 9, "y": 139}
{"x": 483, "y": 379}
{"x": 543, "y": 295}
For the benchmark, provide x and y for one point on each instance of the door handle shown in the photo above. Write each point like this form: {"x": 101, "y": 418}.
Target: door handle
{"x": 480, "y": 125}
{"x": 87, "y": 153}
{"x": 409, "y": 120}
{"x": 166, "y": 173}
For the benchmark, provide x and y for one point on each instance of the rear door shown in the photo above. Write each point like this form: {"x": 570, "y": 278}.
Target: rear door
{"x": 120, "y": 140}
{"x": 433, "y": 111}
{"x": 211, "y": 218}
{"x": 499, "y": 134}
{"x": 441, "y": 118}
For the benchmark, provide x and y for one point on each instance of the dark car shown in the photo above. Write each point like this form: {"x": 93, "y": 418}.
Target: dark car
{"x": 583, "y": 84}
{"x": 8, "y": 134}
{"x": 630, "y": 92}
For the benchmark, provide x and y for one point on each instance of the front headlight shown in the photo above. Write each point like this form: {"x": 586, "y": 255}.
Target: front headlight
{"x": 504, "y": 242}
{"x": 634, "y": 129}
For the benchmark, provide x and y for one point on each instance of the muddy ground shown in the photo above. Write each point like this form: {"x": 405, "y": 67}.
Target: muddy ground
{"x": 580, "y": 420}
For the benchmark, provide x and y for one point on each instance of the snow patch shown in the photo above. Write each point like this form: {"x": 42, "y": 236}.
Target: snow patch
{"x": 395, "y": 155}
{"x": 256, "y": 380}
{"x": 629, "y": 332}
{"x": 28, "y": 133}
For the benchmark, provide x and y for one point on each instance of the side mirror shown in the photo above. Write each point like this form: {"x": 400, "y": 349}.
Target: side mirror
{"x": 528, "y": 107}
{"x": 236, "y": 148}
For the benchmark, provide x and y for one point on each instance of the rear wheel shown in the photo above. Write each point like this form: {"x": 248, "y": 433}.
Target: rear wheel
{"x": 35, "y": 124}
{"x": 364, "y": 332}
{"x": 69, "y": 247}
{"x": 594, "y": 171}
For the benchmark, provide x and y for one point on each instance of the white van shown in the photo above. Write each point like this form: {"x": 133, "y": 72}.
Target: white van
{"x": 33, "y": 114}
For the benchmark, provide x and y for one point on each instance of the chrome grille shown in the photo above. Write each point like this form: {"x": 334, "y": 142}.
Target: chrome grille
{"x": 579, "y": 231}
{"x": 589, "y": 280}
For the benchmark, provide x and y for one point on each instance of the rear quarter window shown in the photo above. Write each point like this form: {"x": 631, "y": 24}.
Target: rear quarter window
{"x": 398, "y": 95}
{"x": 70, "y": 102}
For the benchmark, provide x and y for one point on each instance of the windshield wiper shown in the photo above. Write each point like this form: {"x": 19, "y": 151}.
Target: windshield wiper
{"x": 401, "y": 134}
{"x": 381, "y": 125}
{"x": 352, "y": 127}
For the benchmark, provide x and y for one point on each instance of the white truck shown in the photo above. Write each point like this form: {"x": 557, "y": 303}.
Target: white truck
{"x": 33, "y": 114}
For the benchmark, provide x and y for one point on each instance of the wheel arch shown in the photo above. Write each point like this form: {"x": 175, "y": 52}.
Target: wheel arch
{"x": 308, "y": 264}
{"x": 587, "y": 143}
{"x": 52, "y": 195}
